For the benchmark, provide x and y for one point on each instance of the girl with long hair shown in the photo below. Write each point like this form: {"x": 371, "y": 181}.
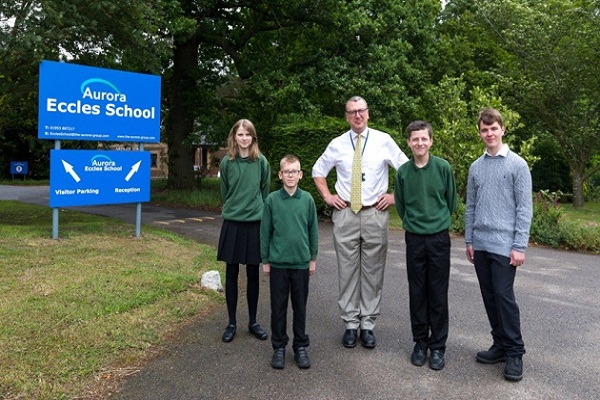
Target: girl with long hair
{"x": 245, "y": 179}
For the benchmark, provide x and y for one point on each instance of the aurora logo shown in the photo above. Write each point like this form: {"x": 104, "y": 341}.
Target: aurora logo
{"x": 102, "y": 163}
{"x": 114, "y": 94}
{"x": 101, "y": 160}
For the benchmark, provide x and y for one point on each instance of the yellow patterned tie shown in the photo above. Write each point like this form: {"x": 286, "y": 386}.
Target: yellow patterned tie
{"x": 356, "y": 183}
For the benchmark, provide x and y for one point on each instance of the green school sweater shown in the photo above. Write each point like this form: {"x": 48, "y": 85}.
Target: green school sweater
{"x": 425, "y": 197}
{"x": 245, "y": 184}
{"x": 289, "y": 231}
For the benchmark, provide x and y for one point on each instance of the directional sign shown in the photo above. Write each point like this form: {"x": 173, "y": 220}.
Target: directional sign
{"x": 89, "y": 103}
{"x": 90, "y": 177}
{"x": 18, "y": 167}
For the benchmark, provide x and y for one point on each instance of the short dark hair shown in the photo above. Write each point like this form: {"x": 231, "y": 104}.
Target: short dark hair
{"x": 419, "y": 125}
{"x": 488, "y": 116}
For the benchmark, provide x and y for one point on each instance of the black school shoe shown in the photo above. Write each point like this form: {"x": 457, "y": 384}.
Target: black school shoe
{"x": 278, "y": 360}
{"x": 301, "y": 357}
{"x": 258, "y": 331}
{"x": 367, "y": 338}
{"x": 436, "y": 360}
{"x": 350, "y": 337}
{"x": 513, "y": 370}
{"x": 419, "y": 354}
{"x": 229, "y": 333}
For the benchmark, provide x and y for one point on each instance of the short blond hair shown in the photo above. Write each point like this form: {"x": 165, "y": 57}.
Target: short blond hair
{"x": 289, "y": 159}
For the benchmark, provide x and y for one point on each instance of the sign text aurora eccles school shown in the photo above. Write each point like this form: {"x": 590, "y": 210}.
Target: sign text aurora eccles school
{"x": 89, "y": 103}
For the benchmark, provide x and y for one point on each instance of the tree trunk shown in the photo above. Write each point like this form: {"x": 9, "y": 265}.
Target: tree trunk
{"x": 180, "y": 120}
{"x": 578, "y": 199}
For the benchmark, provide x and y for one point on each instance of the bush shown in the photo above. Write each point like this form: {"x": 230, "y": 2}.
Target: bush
{"x": 593, "y": 194}
{"x": 546, "y": 217}
{"x": 548, "y": 226}
{"x": 579, "y": 236}
{"x": 458, "y": 217}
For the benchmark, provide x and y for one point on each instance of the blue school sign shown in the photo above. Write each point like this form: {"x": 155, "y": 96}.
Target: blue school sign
{"x": 87, "y": 103}
{"x": 89, "y": 177}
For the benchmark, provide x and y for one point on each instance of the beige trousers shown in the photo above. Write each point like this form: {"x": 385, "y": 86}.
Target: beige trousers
{"x": 361, "y": 242}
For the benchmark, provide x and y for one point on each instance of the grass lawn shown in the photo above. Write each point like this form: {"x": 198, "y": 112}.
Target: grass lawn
{"x": 590, "y": 212}
{"x": 207, "y": 196}
{"x": 92, "y": 304}
{"x": 19, "y": 181}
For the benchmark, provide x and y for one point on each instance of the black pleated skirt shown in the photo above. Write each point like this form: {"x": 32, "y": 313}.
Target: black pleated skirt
{"x": 239, "y": 242}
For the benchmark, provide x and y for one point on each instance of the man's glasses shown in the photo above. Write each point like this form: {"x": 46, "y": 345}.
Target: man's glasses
{"x": 291, "y": 172}
{"x": 360, "y": 112}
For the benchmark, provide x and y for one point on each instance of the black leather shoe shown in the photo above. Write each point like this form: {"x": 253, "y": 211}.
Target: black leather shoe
{"x": 350, "y": 338}
{"x": 229, "y": 333}
{"x": 257, "y": 331}
{"x": 367, "y": 338}
{"x": 492, "y": 356}
{"x": 418, "y": 355}
{"x": 301, "y": 357}
{"x": 278, "y": 360}
{"x": 436, "y": 360}
{"x": 513, "y": 370}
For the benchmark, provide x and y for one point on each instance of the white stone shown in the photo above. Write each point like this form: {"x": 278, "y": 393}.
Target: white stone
{"x": 212, "y": 280}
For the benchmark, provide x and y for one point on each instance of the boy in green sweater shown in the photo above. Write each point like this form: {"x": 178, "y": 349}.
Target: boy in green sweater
{"x": 425, "y": 194}
{"x": 289, "y": 244}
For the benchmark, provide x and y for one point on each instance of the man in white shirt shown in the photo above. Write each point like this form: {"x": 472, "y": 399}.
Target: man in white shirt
{"x": 360, "y": 238}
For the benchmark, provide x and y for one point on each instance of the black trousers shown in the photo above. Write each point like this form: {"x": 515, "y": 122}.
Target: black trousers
{"x": 288, "y": 283}
{"x": 428, "y": 271}
{"x": 496, "y": 279}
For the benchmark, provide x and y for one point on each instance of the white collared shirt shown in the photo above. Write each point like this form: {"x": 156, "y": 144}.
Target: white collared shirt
{"x": 502, "y": 152}
{"x": 379, "y": 153}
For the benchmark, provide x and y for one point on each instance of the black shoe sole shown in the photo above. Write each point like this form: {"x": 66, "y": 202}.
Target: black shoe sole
{"x": 437, "y": 367}
{"x": 349, "y": 345}
{"x": 368, "y": 345}
{"x": 302, "y": 366}
{"x": 417, "y": 364}
{"x": 514, "y": 378}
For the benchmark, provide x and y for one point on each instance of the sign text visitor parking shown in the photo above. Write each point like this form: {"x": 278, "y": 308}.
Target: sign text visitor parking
{"x": 90, "y": 177}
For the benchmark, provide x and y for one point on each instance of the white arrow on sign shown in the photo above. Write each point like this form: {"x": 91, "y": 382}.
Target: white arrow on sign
{"x": 69, "y": 170}
{"x": 134, "y": 169}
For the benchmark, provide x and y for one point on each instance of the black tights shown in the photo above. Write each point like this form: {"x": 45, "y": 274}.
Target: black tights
{"x": 231, "y": 291}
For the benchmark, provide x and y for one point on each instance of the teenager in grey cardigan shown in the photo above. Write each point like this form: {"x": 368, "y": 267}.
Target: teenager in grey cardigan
{"x": 497, "y": 221}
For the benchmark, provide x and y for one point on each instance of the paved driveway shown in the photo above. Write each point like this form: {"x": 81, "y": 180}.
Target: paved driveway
{"x": 560, "y": 310}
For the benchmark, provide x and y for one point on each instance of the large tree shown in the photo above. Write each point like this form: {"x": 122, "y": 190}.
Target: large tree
{"x": 209, "y": 67}
{"x": 555, "y": 70}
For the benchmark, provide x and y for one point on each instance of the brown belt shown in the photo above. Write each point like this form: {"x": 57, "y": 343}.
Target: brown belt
{"x": 362, "y": 208}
